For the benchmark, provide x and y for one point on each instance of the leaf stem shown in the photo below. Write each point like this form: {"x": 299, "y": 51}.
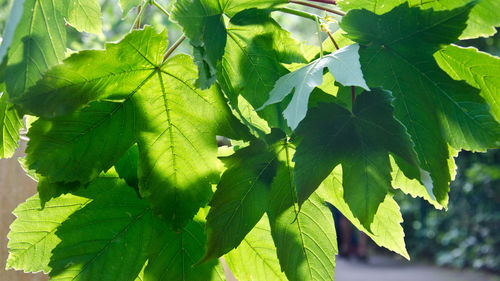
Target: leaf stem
{"x": 140, "y": 12}
{"x": 302, "y": 14}
{"x": 172, "y": 49}
{"x": 320, "y": 42}
{"x": 331, "y": 38}
{"x": 303, "y": 3}
{"x": 160, "y": 8}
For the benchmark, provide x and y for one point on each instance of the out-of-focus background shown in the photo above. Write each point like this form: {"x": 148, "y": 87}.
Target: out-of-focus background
{"x": 462, "y": 244}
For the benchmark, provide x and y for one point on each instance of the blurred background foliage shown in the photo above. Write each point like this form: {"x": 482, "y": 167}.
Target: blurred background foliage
{"x": 467, "y": 234}
{"x": 464, "y": 236}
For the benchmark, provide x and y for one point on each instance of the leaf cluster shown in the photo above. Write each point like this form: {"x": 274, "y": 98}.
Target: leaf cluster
{"x": 123, "y": 141}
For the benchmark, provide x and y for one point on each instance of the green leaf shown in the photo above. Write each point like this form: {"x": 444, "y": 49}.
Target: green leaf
{"x": 305, "y": 239}
{"x": 32, "y": 235}
{"x": 361, "y": 141}
{"x": 251, "y": 65}
{"x": 482, "y": 20}
{"x": 478, "y": 69}
{"x": 95, "y": 74}
{"x": 176, "y": 254}
{"x": 48, "y": 190}
{"x": 39, "y": 40}
{"x": 38, "y": 43}
{"x": 84, "y": 15}
{"x": 115, "y": 223}
{"x": 127, "y": 5}
{"x": 126, "y": 167}
{"x": 203, "y": 23}
{"x": 64, "y": 148}
{"x": 435, "y": 109}
{"x": 241, "y": 198}
{"x": 10, "y": 124}
{"x": 15, "y": 16}
{"x": 385, "y": 229}
{"x": 255, "y": 258}
{"x": 343, "y": 65}
{"x": 142, "y": 100}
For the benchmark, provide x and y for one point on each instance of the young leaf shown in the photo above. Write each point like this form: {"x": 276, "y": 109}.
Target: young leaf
{"x": 256, "y": 48}
{"x": 305, "y": 240}
{"x": 202, "y": 22}
{"x": 10, "y": 124}
{"x": 241, "y": 198}
{"x": 478, "y": 69}
{"x": 451, "y": 111}
{"x": 255, "y": 258}
{"x": 174, "y": 123}
{"x": 115, "y": 223}
{"x": 176, "y": 254}
{"x": 482, "y": 20}
{"x": 343, "y": 65}
{"x": 385, "y": 229}
{"x": 361, "y": 141}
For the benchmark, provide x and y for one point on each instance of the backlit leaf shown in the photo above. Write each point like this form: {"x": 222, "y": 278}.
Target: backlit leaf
{"x": 361, "y": 141}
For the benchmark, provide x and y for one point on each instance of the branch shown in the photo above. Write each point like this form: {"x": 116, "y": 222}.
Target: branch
{"x": 301, "y": 14}
{"x": 160, "y": 8}
{"x": 333, "y": 2}
{"x": 333, "y": 40}
{"x": 317, "y": 7}
{"x": 172, "y": 49}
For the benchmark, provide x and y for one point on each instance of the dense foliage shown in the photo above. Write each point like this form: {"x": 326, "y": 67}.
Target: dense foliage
{"x": 122, "y": 141}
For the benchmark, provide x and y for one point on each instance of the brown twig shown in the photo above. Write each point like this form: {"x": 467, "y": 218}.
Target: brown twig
{"x": 333, "y": 2}
{"x": 303, "y": 3}
{"x": 331, "y": 38}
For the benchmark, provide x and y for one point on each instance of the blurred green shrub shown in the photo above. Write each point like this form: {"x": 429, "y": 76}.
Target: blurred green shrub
{"x": 468, "y": 234}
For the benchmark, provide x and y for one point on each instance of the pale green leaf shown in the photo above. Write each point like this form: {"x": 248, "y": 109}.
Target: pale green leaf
{"x": 84, "y": 15}
{"x": 32, "y": 235}
{"x": 255, "y": 258}
{"x": 305, "y": 239}
{"x": 361, "y": 141}
{"x": 478, "y": 69}
{"x": 115, "y": 223}
{"x": 385, "y": 230}
{"x": 10, "y": 124}
{"x": 414, "y": 187}
{"x": 241, "y": 198}
{"x": 343, "y": 65}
